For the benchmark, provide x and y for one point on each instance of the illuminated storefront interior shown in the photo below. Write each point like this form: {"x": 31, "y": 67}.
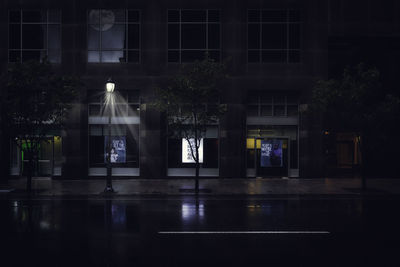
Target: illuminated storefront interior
{"x": 180, "y": 162}
{"x": 262, "y": 141}
{"x": 272, "y": 147}
{"x": 125, "y": 126}
{"x": 49, "y": 161}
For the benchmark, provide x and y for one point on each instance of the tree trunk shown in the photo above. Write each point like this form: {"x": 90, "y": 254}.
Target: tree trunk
{"x": 196, "y": 188}
{"x": 29, "y": 176}
{"x": 362, "y": 165}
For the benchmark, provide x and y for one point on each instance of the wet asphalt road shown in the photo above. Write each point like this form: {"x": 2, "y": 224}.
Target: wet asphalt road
{"x": 214, "y": 231}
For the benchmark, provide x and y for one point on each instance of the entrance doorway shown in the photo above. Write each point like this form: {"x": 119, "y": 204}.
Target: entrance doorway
{"x": 44, "y": 165}
{"x": 269, "y": 156}
{"x": 49, "y": 162}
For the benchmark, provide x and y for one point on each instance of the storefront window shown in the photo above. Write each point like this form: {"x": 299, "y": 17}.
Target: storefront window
{"x": 49, "y": 162}
{"x": 123, "y": 137}
{"x": 209, "y": 151}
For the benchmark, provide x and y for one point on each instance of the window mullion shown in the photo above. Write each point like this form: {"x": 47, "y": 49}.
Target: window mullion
{"x": 100, "y": 32}
{"x": 261, "y": 31}
{"x": 47, "y": 33}
{"x": 207, "y": 30}
{"x": 287, "y": 36}
{"x": 126, "y": 37}
{"x": 286, "y": 105}
{"x": 273, "y": 105}
{"x": 180, "y": 36}
{"x": 20, "y": 51}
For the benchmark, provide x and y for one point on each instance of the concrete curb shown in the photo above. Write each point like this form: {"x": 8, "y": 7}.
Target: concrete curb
{"x": 220, "y": 187}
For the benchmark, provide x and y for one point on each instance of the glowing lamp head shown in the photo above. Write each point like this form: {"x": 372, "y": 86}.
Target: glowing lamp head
{"x": 110, "y": 85}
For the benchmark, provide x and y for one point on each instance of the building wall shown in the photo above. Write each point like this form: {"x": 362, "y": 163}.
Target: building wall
{"x": 324, "y": 24}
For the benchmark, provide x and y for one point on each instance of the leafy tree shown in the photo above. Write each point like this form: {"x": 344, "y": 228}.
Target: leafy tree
{"x": 357, "y": 103}
{"x": 191, "y": 103}
{"x": 35, "y": 102}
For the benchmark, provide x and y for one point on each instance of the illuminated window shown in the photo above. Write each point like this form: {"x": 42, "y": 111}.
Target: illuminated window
{"x": 34, "y": 34}
{"x": 113, "y": 35}
{"x": 177, "y": 152}
{"x": 50, "y": 157}
{"x": 97, "y": 144}
{"x": 192, "y": 33}
{"x": 273, "y": 36}
{"x": 127, "y": 103}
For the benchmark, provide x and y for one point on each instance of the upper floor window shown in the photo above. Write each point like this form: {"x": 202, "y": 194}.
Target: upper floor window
{"x": 126, "y": 103}
{"x": 271, "y": 104}
{"x": 192, "y": 33}
{"x": 34, "y": 34}
{"x": 273, "y": 36}
{"x": 113, "y": 35}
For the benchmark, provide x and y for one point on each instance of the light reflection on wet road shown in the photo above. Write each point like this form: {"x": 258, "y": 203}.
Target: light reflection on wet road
{"x": 129, "y": 232}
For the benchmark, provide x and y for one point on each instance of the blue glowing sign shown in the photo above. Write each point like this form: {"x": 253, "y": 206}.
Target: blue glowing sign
{"x": 271, "y": 153}
{"x": 118, "y": 149}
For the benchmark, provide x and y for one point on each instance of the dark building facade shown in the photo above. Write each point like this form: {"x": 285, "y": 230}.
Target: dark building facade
{"x": 275, "y": 50}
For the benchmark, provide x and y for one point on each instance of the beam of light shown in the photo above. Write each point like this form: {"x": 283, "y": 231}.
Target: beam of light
{"x": 121, "y": 116}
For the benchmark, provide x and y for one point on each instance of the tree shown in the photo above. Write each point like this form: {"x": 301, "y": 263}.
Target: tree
{"x": 35, "y": 102}
{"x": 357, "y": 103}
{"x": 191, "y": 103}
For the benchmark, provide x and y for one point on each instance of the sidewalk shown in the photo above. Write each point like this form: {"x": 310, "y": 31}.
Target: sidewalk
{"x": 249, "y": 186}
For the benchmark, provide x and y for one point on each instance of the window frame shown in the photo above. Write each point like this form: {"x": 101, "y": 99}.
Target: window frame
{"x": 100, "y": 102}
{"x": 126, "y": 50}
{"x": 46, "y": 23}
{"x": 287, "y": 48}
{"x": 115, "y": 128}
{"x": 206, "y": 22}
{"x": 273, "y": 104}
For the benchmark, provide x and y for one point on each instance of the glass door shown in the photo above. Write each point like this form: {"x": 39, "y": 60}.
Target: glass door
{"x": 271, "y": 157}
{"x": 44, "y": 165}
{"x": 45, "y": 162}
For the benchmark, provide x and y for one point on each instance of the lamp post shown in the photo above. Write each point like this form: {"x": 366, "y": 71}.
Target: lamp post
{"x": 110, "y": 86}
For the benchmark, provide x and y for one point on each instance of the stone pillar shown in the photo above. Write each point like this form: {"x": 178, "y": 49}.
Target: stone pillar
{"x": 4, "y": 138}
{"x": 232, "y": 135}
{"x": 152, "y": 143}
{"x": 233, "y": 123}
{"x": 152, "y": 137}
{"x": 75, "y": 137}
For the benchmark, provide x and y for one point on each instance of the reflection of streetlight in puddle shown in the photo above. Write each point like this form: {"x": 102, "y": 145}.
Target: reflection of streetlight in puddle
{"x": 192, "y": 211}
{"x": 258, "y": 209}
{"x": 44, "y": 225}
{"x": 118, "y": 213}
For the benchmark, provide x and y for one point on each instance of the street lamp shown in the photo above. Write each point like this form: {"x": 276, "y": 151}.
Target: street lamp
{"x": 110, "y": 86}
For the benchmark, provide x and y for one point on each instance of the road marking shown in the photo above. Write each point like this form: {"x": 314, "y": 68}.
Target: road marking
{"x": 240, "y": 232}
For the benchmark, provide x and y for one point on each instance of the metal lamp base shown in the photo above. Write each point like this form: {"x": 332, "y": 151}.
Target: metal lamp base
{"x": 109, "y": 189}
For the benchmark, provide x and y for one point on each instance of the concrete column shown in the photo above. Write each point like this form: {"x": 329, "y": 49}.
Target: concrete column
{"x": 233, "y": 123}
{"x": 232, "y": 134}
{"x": 4, "y": 139}
{"x": 152, "y": 140}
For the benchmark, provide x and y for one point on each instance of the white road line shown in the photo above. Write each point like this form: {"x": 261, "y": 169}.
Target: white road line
{"x": 240, "y": 232}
